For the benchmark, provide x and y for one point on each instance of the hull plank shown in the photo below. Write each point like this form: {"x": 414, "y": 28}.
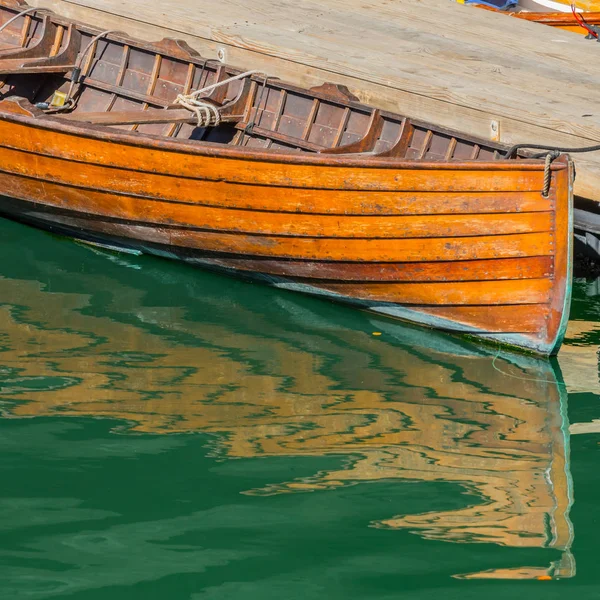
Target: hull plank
{"x": 310, "y": 249}
{"x": 498, "y": 320}
{"x": 267, "y": 197}
{"x": 519, "y": 318}
{"x": 234, "y": 220}
{"x": 473, "y": 270}
{"x": 522, "y": 291}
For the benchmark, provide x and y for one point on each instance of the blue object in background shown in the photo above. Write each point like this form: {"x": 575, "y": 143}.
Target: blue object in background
{"x": 499, "y": 4}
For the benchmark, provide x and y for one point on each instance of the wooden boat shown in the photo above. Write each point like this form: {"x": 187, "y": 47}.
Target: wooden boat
{"x": 304, "y": 189}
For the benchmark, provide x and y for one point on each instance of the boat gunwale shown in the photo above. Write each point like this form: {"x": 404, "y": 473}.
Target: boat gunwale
{"x": 217, "y": 150}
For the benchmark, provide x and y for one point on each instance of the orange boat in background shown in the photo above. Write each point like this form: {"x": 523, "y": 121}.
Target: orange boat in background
{"x": 566, "y": 21}
{"x": 580, "y": 21}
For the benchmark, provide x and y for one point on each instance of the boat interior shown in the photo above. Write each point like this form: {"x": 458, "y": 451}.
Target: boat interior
{"x": 75, "y": 73}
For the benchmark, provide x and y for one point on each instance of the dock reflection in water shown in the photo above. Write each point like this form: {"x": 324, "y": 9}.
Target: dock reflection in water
{"x": 168, "y": 350}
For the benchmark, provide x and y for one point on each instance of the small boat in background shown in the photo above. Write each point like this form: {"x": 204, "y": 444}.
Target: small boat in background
{"x": 580, "y": 17}
{"x": 560, "y": 6}
{"x": 581, "y": 23}
{"x": 152, "y": 148}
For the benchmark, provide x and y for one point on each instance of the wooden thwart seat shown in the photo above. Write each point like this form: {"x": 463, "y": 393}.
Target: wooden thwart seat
{"x": 42, "y": 48}
{"x": 170, "y": 114}
{"x": 366, "y": 143}
{"x": 133, "y": 117}
{"x": 402, "y": 143}
{"x": 37, "y": 59}
{"x": 140, "y": 117}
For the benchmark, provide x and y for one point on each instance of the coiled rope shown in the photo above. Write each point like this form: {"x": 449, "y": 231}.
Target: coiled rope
{"x": 207, "y": 114}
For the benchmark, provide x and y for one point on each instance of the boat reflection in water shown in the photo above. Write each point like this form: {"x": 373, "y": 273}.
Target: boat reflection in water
{"x": 271, "y": 374}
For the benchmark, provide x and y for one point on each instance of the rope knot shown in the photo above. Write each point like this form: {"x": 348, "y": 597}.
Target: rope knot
{"x": 207, "y": 114}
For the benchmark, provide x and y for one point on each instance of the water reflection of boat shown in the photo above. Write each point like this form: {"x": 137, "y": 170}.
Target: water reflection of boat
{"x": 169, "y": 351}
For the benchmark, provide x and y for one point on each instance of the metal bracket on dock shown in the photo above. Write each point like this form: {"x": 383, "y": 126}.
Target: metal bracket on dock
{"x": 595, "y": 29}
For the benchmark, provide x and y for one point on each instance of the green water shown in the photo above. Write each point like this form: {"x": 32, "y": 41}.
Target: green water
{"x": 173, "y": 434}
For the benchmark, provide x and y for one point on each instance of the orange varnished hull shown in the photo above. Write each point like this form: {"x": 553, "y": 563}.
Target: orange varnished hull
{"x": 469, "y": 246}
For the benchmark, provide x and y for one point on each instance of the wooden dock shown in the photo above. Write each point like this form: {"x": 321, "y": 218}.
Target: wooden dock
{"x": 463, "y": 68}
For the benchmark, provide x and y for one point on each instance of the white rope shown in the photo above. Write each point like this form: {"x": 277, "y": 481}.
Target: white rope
{"x": 77, "y": 72}
{"x": 208, "y": 114}
{"x": 210, "y": 88}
